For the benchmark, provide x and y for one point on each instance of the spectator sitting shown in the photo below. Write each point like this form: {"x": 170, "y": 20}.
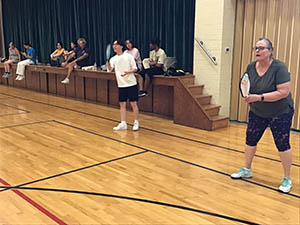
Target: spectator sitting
{"x": 30, "y": 59}
{"x": 68, "y": 54}
{"x": 132, "y": 50}
{"x": 56, "y": 58}
{"x": 14, "y": 57}
{"x": 81, "y": 55}
{"x": 152, "y": 65}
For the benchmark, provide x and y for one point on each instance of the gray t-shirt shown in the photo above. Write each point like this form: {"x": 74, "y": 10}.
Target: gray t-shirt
{"x": 275, "y": 75}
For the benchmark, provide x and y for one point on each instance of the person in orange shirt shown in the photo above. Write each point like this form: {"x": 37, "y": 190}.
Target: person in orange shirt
{"x": 56, "y": 57}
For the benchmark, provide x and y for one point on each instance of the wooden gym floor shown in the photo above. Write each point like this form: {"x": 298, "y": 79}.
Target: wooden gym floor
{"x": 61, "y": 163}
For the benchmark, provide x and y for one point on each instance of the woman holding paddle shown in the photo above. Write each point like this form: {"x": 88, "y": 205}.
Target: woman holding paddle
{"x": 271, "y": 105}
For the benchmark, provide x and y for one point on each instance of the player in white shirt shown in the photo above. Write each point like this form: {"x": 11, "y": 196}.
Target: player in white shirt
{"x": 125, "y": 67}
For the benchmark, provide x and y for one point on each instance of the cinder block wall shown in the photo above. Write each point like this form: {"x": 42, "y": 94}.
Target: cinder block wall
{"x": 214, "y": 25}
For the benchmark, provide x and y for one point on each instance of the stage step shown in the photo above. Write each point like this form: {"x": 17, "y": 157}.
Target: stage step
{"x": 203, "y": 99}
{"x": 212, "y": 110}
{"x": 219, "y": 122}
{"x": 196, "y": 89}
{"x": 188, "y": 80}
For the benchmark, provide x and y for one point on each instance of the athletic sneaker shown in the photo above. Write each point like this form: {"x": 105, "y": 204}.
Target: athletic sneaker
{"x": 21, "y": 77}
{"x": 242, "y": 173}
{"x": 286, "y": 185}
{"x": 143, "y": 93}
{"x": 121, "y": 126}
{"x": 4, "y": 75}
{"x": 135, "y": 126}
{"x": 65, "y": 81}
{"x": 8, "y": 74}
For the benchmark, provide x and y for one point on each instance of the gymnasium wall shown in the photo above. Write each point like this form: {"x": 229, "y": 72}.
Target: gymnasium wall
{"x": 280, "y": 22}
{"x": 44, "y": 22}
{"x": 214, "y": 25}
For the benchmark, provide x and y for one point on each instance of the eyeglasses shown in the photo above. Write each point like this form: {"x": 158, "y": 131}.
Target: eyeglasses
{"x": 260, "y": 48}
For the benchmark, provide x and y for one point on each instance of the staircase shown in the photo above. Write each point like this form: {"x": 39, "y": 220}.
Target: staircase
{"x": 203, "y": 101}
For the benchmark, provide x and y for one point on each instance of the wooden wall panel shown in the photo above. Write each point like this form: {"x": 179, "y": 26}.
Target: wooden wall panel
{"x": 79, "y": 87}
{"x": 43, "y": 82}
{"x": 163, "y": 100}
{"x": 102, "y": 91}
{"x": 60, "y": 88}
{"x": 71, "y": 88}
{"x": 146, "y": 103}
{"x": 11, "y": 80}
{"x": 113, "y": 93}
{"x": 52, "y": 83}
{"x": 237, "y": 60}
{"x": 2, "y": 80}
{"x": 278, "y": 20}
{"x": 32, "y": 80}
{"x": 90, "y": 89}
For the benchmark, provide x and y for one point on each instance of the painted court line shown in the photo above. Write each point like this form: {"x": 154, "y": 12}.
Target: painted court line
{"x": 139, "y": 200}
{"x": 35, "y": 204}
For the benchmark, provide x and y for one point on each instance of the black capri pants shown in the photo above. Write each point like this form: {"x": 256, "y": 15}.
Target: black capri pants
{"x": 280, "y": 127}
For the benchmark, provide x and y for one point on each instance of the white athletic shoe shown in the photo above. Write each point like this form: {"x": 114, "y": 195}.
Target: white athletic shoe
{"x": 65, "y": 81}
{"x": 21, "y": 77}
{"x": 135, "y": 126}
{"x": 121, "y": 126}
{"x": 242, "y": 173}
{"x": 18, "y": 77}
{"x": 286, "y": 185}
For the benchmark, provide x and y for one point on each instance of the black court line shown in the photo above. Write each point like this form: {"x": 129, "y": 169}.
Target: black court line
{"x": 134, "y": 199}
{"x": 13, "y": 114}
{"x": 72, "y": 171}
{"x": 174, "y": 158}
{"x": 15, "y": 108}
{"x": 149, "y": 129}
{"x": 26, "y": 124}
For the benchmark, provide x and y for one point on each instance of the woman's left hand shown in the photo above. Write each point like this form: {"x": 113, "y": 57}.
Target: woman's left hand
{"x": 253, "y": 98}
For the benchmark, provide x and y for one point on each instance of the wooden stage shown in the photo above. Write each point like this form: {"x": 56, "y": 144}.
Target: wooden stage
{"x": 174, "y": 97}
{"x": 61, "y": 163}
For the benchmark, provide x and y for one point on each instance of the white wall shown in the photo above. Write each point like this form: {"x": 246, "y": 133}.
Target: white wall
{"x": 214, "y": 25}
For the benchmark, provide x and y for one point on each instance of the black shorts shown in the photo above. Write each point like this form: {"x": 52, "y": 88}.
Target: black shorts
{"x": 131, "y": 93}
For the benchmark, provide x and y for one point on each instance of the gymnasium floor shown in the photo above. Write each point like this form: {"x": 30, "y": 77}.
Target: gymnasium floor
{"x": 61, "y": 163}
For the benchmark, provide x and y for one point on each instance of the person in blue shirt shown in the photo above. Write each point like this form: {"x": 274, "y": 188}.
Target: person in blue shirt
{"x": 30, "y": 58}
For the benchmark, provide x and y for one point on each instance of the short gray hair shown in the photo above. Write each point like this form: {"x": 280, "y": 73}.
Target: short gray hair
{"x": 81, "y": 39}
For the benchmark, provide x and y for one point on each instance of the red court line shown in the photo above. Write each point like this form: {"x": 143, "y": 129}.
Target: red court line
{"x": 35, "y": 204}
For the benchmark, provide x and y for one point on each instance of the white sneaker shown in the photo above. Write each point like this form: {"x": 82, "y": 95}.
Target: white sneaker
{"x": 18, "y": 77}
{"x": 135, "y": 126}
{"x": 121, "y": 126}
{"x": 21, "y": 77}
{"x": 242, "y": 173}
{"x": 65, "y": 81}
{"x": 286, "y": 185}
